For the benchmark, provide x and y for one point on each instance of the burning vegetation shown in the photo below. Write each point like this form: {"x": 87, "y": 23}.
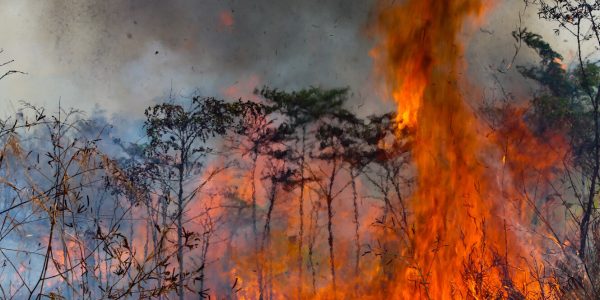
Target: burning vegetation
{"x": 293, "y": 195}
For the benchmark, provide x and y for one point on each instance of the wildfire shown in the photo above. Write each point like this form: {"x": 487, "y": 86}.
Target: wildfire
{"x": 461, "y": 245}
{"x": 291, "y": 195}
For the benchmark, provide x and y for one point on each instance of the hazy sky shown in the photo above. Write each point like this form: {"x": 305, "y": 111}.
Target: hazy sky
{"x": 123, "y": 55}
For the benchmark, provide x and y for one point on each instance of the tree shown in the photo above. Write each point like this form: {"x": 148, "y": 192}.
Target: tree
{"x": 303, "y": 110}
{"x": 579, "y": 19}
{"x": 388, "y": 153}
{"x": 333, "y": 143}
{"x": 179, "y": 137}
{"x": 568, "y": 103}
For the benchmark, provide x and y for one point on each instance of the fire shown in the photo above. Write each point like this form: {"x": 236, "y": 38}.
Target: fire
{"x": 461, "y": 245}
{"x": 466, "y": 235}
{"x": 226, "y": 19}
{"x": 474, "y": 223}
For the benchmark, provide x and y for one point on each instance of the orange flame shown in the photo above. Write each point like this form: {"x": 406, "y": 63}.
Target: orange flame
{"x": 469, "y": 237}
{"x": 459, "y": 207}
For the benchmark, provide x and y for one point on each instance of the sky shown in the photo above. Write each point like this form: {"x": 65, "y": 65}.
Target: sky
{"x": 122, "y": 56}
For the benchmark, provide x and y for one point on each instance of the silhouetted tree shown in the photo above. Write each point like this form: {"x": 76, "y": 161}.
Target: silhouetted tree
{"x": 179, "y": 137}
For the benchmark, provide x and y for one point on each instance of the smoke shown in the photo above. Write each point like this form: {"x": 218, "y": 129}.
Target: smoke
{"x": 493, "y": 53}
{"x": 125, "y": 55}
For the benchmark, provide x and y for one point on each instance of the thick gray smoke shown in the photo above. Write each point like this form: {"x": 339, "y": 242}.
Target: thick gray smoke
{"x": 493, "y": 53}
{"x": 123, "y": 55}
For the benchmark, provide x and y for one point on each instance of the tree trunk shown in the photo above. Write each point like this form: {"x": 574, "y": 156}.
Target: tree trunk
{"x": 180, "y": 229}
{"x": 585, "y": 220}
{"x": 356, "y": 224}
{"x": 329, "y": 198}
{"x": 314, "y": 219}
{"x": 163, "y": 214}
{"x": 259, "y": 275}
{"x": 301, "y": 214}
{"x": 267, "y": 238}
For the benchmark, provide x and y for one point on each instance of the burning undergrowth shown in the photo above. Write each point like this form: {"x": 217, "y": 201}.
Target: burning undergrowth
{"x": 294, "y": 195}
